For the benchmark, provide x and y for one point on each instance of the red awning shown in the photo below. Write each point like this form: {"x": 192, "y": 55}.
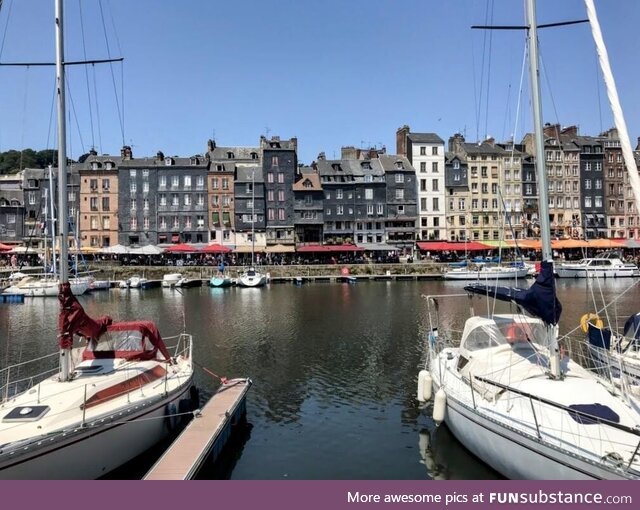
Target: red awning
{"x": 312, "y": 248}
{"x": 5, "y": 247}
{"x": 215, "y": 248}
{"x": 433, "y": 246}
{"x": 181, "y": 248}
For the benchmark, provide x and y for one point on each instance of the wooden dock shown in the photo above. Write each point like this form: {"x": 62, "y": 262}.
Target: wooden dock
{"x": 205, "y": 435}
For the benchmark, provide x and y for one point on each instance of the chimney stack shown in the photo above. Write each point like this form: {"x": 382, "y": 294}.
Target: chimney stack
{"x": 401, "y": 140}
{"x": 126, "y": 153}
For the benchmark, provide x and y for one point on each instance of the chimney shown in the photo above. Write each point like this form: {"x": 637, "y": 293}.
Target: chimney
{"x": 455, "y": 143}
{"x": 349, "y": 152}
{"x": 211, "y": 145}
{"x": 294, "y": 142}
{"x": 401, "y": 140}
{"x": 322, "y": 156}
{"x": 160, "y": 156}
{"x": 126, "y": 153}
{"x": 93, "y": 152}
{"x": 491, "y": 141}
{"x": 570, "y": 131}
{"x": 551, "y": 130}
{"x": 638, "y": 146}
{"x": 373, "y": 153}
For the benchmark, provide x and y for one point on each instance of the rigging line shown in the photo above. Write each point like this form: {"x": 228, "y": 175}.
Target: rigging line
{"x": 24, "y": 113}
{"x": 53, "y": 104}
{"x": 113, "y": 78}
{"x": 481, "y": 94}
{"x": 595, "y": 58}
{"x": 6, "y": 27}
{"x": 86, "y": 73}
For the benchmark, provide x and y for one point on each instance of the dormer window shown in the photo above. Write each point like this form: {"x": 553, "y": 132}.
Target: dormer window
{"x": 337, "y": 167}
{"x": 399, "y": 165}
{"x": 108, "y": 165}
{"x": 168, "y": 161}
{"x": 230, "y": 155}
{"x": 366, "y": 165}
{"x": 95, "y": 165}
{"x": 307, "y": 183}
{"x": 274, "y": 145}
{"x": 195, "y": 161}
{"x": 254, "y": 155}
{"x": 456, "y": 165}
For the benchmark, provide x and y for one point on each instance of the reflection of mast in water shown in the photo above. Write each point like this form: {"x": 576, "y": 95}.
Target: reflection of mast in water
{"x": 428, "y": 459}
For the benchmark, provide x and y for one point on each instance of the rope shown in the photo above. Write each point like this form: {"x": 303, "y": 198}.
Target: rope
{"x": 86, "y": 74}
{"x": 222, "y": 379}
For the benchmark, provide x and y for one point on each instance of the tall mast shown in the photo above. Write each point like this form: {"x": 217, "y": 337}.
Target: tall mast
{"x": 253, "y": 214}
{"x": 534, "y": 74}
{"x": 65, "y": 352}
{"x": 543, "y": 205}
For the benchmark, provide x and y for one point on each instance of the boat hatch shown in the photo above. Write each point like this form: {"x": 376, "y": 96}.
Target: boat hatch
{"x": 26, "y": 413}
{"x": 588, "y": 414}
{"x": 88, "y": 370}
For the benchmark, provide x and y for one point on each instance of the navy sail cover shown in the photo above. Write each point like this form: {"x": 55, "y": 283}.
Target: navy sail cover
{"x": 539, "y": 300}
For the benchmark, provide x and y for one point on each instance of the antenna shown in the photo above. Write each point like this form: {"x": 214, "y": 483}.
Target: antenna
{"x": 267, "y": 130}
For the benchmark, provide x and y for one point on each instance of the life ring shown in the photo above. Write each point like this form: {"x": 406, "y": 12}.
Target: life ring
{"x": 590, "y": 318}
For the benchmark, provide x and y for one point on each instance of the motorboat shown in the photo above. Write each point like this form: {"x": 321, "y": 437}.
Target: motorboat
{"x": 252, "y": 278}
{"x": 189, "y": 282}
{"x": 170, "y": 280}
{"x": 609, "y": 265}
{"x": 484, "y": 272}
{"x": 137, "y": 282}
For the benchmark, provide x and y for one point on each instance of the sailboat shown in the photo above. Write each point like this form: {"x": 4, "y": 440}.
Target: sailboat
{"x": 251, "y": 277}
{"x": 110, "y": 399}
{"x": 508, "y": 394}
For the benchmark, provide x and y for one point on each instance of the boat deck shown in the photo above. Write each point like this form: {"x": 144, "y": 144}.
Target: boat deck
{"x": 206, "y": 433}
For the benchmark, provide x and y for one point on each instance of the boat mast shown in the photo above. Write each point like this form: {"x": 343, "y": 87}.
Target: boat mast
{"x": 65, "y": 354}
{"x": 54, "y": 262}
{"x": 543, "y": 199}
{"x": 614, "y": 101}
{"x": 253, "y": 214}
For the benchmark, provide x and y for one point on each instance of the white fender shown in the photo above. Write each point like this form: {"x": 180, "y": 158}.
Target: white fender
{"x": 425, "y": 386}
{"x": 439, "y": 406}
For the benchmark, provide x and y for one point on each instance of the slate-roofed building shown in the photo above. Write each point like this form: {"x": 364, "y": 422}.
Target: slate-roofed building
{"x": 99, "y": 199}
{"x": 402, "y": 203}
{"x": 279, "y": 168}
{"x": 12, "y": 211}
{"x": 308, "y": 207}
{"x": 249, "y": 209}
{"x": 457, "y": 197}
{"x": 592, "y": 186}
{"x": 426, "y": 153}
{"x": 222, "y": 170}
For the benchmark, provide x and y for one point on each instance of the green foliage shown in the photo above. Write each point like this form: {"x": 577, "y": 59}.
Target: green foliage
{"x": 13, "y": 161}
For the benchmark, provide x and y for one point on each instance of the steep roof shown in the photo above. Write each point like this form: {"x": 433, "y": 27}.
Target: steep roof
{"x": 425, "y": 138}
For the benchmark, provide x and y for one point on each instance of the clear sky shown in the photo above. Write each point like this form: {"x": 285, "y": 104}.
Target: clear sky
{"x": 331, "y": 72}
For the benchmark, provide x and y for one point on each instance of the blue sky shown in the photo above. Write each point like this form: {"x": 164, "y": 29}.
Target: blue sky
{"x": 331, "y": 72}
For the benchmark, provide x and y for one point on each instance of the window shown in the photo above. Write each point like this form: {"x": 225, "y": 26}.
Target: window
{"x": 436, "y": 204}
{"x": 145, "y": 204}
{"x": 105, "y": 184}
{"x": 200, "y": 200}
{"x": 434, "y": 151}
{"x": 483, "y": 171}
{"x": 461, "y": 204}
{"x": 281, "y": 215}
{"x": 215, "y": 219}
{"x": 226, "y": 200}
{"x": 370, "y": 209}
{"x": 269, "y": 176}
{"x": 175, "y": 181}
{"x": 400, "y": 193}
{"x": 145, "y": 187}
{"x": 587, "y": 166}
{"x": 270, "y": 195}
{"x": 176, "y": 222}
{"x": 399, "y": 178}
{"x": 423, "y": 151}
{"x": 200, "y": 181}
{"x": 587, "y": 184}
{"x": 132, "y": 204}
{"x": 423, "y": 166}
{"x": 423, "y": 204}
{"x": 368, "y": 194}
{"x": 93, "y": 203}
{"x": 423, "y": 185}
{"x": 587, "y": 201}
{"x": 339, "y": 194}
{"x": 434, "y": 184}
{"x": 132, "y": 174}
{"x": 163, "y": 181}
{"x": 214, "y": 183}
{"x": 380, "y": 209}
{"x": 339, "y": 210}
{"x": 175, "y": 199}
{"x": 163, "y": 222}
{"x": 274, "y": 160}
{"x": 281, "y": 195}
{"x": 598, "y": 201}
{"x": 225, "y": 183}
{"x": 145, "y": 222}
{"x": 93, "y": 221}
{"x": 145, "y": 173}
{"x": 134, "y": 223}
{"x": 133, "y": 187}
{"x": 434, "y": 166}
{"x": 163, "y": 199}
{"x": 187, "y": 223}
{"x": 105, "y": 204}
{"x": 187, "y": 199}
{"x": 93, "y": 184}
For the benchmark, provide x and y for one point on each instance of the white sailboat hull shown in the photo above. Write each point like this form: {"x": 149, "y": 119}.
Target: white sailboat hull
{"x": 486, "y": 274}
{"x": 46, "y": 288}
{"x": 582, "y": 272}
{"x": 93, "y": 452}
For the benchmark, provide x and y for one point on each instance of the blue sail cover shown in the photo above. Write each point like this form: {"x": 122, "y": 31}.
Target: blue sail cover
{"x": 539, "y": 300}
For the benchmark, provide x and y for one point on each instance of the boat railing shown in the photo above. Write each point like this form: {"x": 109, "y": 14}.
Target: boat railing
{"x": 577, "y": 415}
{"x": 183, "y": 346}
{"x": 13, "y": 382}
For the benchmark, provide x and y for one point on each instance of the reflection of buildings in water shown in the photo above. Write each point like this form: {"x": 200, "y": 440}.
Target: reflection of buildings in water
{"x": 446, "y": 459}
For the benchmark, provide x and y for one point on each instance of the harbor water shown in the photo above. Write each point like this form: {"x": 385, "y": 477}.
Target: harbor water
{"x": 334, "y": 367}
